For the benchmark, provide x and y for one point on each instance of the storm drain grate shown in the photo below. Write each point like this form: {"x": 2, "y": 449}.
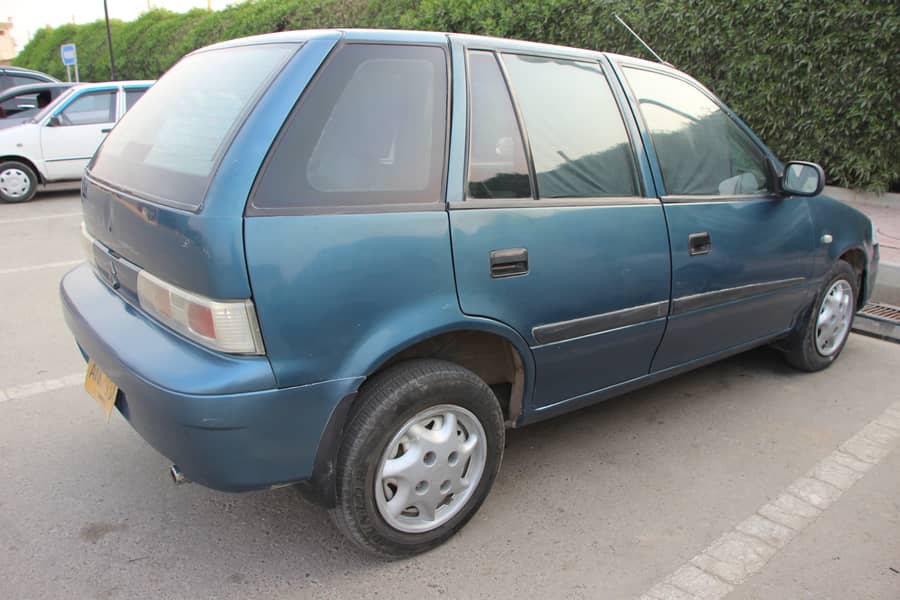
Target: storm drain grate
{"x": 882, "y": 312}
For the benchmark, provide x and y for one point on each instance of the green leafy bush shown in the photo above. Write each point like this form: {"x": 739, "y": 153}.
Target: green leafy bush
{"x": 817, "y": 81}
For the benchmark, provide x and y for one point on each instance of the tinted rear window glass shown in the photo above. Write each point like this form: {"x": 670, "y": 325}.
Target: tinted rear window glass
{"x": 578, "y": 140}
{"x": 497, "y": 164}
{"x": 370, "y": 131}
{"x": 168, "y": 145}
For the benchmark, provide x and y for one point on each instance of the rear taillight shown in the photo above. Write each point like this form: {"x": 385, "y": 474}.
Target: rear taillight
{"x": 227, "y": 326}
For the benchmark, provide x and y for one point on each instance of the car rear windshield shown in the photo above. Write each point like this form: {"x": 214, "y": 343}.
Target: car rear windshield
{"x": 167, "y": 147}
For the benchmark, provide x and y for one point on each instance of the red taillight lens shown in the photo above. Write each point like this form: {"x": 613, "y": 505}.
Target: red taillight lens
{"x": 224, "y": 325}
{"x": 200, "y": 319}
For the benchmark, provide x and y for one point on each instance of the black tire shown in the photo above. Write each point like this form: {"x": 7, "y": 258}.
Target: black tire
{"x": 800, "y": 349}
{"x": 17, "y": 193}
{"x": 387, "y": 401}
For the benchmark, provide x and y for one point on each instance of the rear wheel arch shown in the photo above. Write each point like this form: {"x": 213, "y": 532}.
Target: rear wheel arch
{"x": 503, "y": 363}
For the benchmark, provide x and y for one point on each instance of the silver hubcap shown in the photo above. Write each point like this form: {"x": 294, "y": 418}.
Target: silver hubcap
{"x": 835, "y": 316}
{"x": 430, "y": 468}
{"x": 14, "y": 182}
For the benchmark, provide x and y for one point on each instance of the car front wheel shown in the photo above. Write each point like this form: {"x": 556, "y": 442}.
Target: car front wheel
{"x": 419, "y": 457}
{"x": 18, "y": 182}
{"x": 821, "y": 337}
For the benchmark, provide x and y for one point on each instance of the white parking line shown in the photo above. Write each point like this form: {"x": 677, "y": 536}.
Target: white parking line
{"x": 65, "y": 263}
{"x": 27, "y": 219}
{"x": 746, "y": 549}
{"x": 26, "y": 390}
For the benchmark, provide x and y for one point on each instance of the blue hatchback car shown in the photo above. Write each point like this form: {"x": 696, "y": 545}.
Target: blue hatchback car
{"x": 350, "y": 259}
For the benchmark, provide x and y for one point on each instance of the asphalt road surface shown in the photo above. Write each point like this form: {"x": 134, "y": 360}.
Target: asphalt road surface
{"x": 743, "y": 480}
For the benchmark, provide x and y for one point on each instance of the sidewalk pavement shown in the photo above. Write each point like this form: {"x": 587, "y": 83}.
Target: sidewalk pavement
{"x": 884, "y": 210}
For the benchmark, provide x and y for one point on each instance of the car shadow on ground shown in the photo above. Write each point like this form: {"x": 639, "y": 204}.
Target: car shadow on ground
{"x": 260, "y": 535}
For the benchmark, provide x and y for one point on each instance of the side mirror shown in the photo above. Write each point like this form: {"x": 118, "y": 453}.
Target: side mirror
{"x": 803, "y": 179}
{"x": 54, "y": 121}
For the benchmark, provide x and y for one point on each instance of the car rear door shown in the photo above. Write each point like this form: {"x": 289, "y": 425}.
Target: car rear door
{"x": 554, "y": 234}
{"x": 741, "y": 254}
{"x": 76, "y": 129}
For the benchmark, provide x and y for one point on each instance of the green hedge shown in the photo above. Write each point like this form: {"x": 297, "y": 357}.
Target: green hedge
{"x": 817, "y": 81}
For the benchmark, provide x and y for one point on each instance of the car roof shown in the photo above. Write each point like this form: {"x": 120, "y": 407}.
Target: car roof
{"x": 13, "y": 70}
{"x": 109, "y": 84}
{"x": 34, "y": 87}
{"x": 402, "y": 35}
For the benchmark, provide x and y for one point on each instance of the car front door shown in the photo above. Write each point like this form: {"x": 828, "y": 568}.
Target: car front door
{"x": 73, "y": 133}
{"x": 742, "y": 255}
{"x": 554, "y": 234}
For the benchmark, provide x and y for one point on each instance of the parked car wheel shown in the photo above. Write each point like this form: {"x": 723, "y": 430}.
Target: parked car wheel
{"x": 419, "y": 457}
{"x": 827, "y": 325}
{"x": 18, "y": 182}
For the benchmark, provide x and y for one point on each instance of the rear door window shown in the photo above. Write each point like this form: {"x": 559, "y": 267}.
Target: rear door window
{"x": 579, "y": 144}
{"x": 701, "y": 150}
{"x": 132, "y": 96}
{"x": 168, "y": 145}
{"x": 369, "y": 132}
{"x": 498, "y": 167}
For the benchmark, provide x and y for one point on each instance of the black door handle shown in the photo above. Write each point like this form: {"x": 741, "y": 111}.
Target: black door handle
{"x": 106, "y": 130}
{"x": 699, "y": 244}
{"x": 509, "y": 262}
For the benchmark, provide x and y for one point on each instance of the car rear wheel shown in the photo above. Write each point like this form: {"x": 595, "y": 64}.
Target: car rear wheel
{"x": 418, "y": 459}
{"x": 18, "y": 182}
{"x": 824, "y": 332}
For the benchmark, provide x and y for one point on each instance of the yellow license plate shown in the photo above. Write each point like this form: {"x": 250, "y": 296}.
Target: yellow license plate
{"x": 101, "y": 388}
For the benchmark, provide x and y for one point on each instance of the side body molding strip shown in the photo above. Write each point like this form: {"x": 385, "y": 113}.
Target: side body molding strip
{"x": 697, "y": 301}
{"x": 564, "y": 330}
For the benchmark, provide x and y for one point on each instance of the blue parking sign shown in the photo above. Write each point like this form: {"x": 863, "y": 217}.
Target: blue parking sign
{"x": 69, "y": 57}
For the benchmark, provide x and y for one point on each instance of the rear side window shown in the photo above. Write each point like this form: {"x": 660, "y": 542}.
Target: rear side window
{"x": 701, "y": 150}
{"x": 168, "y": 145}
{"x": 578, "y": 139}
{"x": 497, "y": 164}
{"x": 370, "y": 131}
{"x": 132, "y": 96}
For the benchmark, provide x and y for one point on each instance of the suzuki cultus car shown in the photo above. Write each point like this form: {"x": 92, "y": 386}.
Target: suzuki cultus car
{"x": 350, "y": 259}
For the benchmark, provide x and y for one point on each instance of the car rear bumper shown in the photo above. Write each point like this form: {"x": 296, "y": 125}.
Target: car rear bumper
{"x": 220, "y": 418}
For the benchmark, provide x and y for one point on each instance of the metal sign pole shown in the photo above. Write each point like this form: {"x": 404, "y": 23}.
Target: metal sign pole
{"x": 76, "y": 71}
{"x": 68, "y": 74}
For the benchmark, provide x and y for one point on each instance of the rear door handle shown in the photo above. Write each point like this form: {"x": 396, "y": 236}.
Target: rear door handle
{"x": 699, "y": 244}
{"x": 509, "y": 262}
{"x": 106, "y": 130}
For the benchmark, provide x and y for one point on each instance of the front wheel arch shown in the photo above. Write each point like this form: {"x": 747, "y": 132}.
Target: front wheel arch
{"x": 31, "y": 165}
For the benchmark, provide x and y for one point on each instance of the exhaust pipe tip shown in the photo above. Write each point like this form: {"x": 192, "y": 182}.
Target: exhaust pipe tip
{"x": 177, "y": 476}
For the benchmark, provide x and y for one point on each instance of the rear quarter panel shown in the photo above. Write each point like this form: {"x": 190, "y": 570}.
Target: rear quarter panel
{"x": 337, "y": 295}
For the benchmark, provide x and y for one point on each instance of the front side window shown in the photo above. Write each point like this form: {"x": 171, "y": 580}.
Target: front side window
{"x": 497, "y": 164}
{"x": 578, "y": 139}
{"x": 90, "y": 109}
{"x": 370, "y": 131}
{"x": 16, "y": 104}
{"x": 701, "y": 150}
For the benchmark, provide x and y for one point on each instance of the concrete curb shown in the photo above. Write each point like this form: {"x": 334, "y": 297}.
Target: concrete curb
{"x": 887, "y": 284}
{"x": 886, "y": 199}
